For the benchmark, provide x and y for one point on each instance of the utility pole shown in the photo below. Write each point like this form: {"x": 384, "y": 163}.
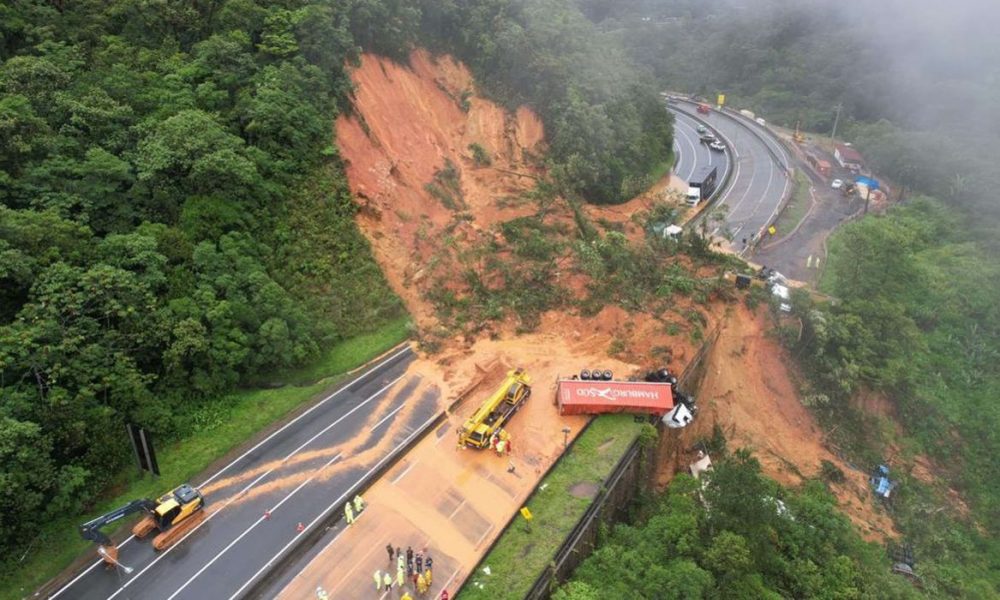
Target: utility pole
{"x": 836, "y": 120}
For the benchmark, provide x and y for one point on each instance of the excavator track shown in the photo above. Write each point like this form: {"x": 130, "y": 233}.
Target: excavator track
{"x": 175, "y": 533}
{"x": 144, "y": 527}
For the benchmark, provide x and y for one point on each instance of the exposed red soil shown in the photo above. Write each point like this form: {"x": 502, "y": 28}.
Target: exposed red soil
{"x": 749, "y": 391}
{"x": 409, "y": 123}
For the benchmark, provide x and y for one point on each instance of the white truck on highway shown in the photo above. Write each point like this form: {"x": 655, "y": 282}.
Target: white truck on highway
{"x": 701, "y": 185}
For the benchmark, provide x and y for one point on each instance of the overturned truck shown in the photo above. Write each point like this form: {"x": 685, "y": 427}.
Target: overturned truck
{"x": 597, "y": 392}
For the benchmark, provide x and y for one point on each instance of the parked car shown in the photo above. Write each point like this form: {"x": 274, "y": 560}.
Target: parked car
{"x": 837, "y": 184}
{"x": 717, "y": 146}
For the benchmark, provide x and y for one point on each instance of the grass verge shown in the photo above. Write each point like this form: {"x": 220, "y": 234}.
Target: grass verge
{"x": 797, "y": 207}
{"x": 242, "y": 414}
{"x": 520, "y": 555}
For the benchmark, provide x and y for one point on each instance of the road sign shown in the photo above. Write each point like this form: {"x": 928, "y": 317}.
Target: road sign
{"x": 142, "y": 445}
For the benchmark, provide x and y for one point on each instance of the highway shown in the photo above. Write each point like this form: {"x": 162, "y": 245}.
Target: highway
{"x": 296, "y": 475}
{"x": 758, "y": 183}
{"x": 691, "y": 153}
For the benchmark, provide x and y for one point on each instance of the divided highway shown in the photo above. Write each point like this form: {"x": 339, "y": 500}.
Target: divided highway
{"x": 760, "y": 177}
{"x": 305, "y": 469}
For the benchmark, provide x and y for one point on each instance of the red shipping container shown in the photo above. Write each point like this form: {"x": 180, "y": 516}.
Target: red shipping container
{"x": 580, "y": 397}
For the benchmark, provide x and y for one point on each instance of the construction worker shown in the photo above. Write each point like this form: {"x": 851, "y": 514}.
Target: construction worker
{"x": 421, "y": 584}
{"x": 359, "y": 503}
{"x": 406, "y": 596}
{"x": 387, "y": 580}
{"x": 378, "y": 579}
{"x": 388, "y": 548}
{"x": 400, "y": 560}
{"x": 322, "y": 595}
{"x": 348, "y": 513}
{"x": 501, "y": 447}
{"x": 400, "y": 577}
{"x": 429, "y": 577}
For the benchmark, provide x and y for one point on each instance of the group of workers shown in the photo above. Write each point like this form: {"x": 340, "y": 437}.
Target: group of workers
{"x": 409, "y": 566}
{"x": 500, "y": 442}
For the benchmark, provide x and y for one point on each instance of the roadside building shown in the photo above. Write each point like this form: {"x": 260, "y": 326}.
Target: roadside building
{"x": 848, "y": 157}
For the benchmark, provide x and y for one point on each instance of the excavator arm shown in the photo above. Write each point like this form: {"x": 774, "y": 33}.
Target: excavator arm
{"x": 91, "y": 530}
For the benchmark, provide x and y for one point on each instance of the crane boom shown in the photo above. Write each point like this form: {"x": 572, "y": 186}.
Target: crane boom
{"x": 496, "y": 410}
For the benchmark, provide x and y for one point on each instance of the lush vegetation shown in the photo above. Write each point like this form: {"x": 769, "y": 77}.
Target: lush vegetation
{"x": 740, "y": 535}
{"x": 173, "y": 223}
{"x": 607, "y": 131}
{"x": 523, "y": 272}
{"x": 523, "y": 551}
{"x": 918, "y": 321}
{"x": 174, "y": 218}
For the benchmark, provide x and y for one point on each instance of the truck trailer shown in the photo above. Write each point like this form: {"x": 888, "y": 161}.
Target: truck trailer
{"x": 702, "y": 185}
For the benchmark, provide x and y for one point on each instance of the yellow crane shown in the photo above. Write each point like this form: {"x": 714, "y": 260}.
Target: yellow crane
{"x": 496, "y": 410}
{"x": 798, "y": 136}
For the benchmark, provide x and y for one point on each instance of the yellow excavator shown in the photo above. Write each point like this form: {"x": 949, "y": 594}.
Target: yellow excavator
{"x": 496, "y": 411}
{"x": 172, "y": 515}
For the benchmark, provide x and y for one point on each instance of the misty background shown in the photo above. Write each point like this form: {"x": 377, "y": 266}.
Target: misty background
{"x": 919, "y": 81}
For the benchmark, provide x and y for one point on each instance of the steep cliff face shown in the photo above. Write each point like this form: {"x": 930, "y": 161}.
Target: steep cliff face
{"x": 428, "y": 159}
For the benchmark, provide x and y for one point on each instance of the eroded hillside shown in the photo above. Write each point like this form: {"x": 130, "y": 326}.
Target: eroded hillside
{"x": 436, "y": 213}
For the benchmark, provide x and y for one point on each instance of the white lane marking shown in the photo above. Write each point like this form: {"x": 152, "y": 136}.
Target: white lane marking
{"x": 763, "y": 195}
{"x": 330, "y": 426}
{"x": 753, "y": 175}
{"x": 447, "y": 583}
{"x": 694, "y": 151}
{"x": 403, "y": 474}
{"x": 482, "y": 537}
{"x": 259, "y": 520}
{"x": 784, "y": 190}
{"x": 336, "y": 502}
{"x": 207, "y": 519}
{"x": 244, "y": 455}
{"x": 457, "y": 508}
{"x": 386, "y": 418}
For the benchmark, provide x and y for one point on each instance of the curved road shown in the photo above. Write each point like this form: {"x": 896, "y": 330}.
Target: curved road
{"x": 255, "y": 504}
{"x": 759, "y": 181}
{"x": 691, "y": 153}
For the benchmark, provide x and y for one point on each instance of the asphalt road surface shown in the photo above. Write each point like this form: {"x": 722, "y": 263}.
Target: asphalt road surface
{"x": 758, "y": 182}
{"x": 800, "y": 254}
{"x": 297, "y": 474}
{"x": 691, "y": 153}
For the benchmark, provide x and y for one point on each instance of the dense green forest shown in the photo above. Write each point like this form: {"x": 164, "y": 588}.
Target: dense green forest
{"x": 740, "y": 535}
{"x": 174, "y": 218}
{"x": 918, "y": 320}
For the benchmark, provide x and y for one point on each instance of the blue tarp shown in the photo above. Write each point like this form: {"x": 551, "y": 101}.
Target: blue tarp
{"x": 868, "y": 182}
